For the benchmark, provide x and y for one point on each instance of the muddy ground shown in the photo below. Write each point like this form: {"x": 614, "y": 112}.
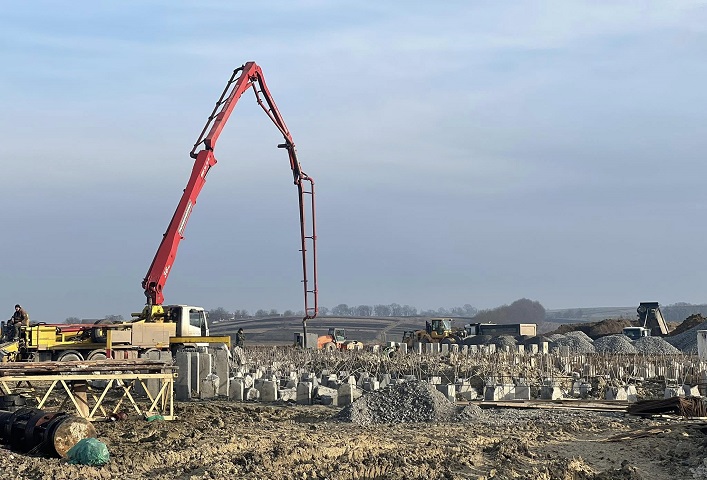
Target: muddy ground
{"x": 220, "y": 440}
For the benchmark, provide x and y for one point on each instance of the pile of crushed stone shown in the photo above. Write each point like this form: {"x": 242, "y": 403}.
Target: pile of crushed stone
{"x": 619, "y": 343}
{"x": 655, "y": 346}
{"x": 504, "y": 341}
{"x": 412, "y": 401}
{"x": 576, "y": 343}
{"x": 478, "y": 340}
{"x": 687, "y": 340}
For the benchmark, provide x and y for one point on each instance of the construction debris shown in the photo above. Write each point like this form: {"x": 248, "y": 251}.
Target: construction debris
{"x": 688, "y": 407}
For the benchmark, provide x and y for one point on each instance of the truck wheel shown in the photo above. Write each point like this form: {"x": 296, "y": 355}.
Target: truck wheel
{"x": 96, "y": 355}
{"x": 69, "y": 356}
{"x": 329, "y": 346}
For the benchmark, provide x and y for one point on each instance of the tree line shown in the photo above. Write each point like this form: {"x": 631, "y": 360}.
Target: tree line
{"x": 520, "y": 311}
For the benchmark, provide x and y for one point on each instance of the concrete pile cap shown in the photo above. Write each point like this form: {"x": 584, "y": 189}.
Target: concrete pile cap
{"x": 411, "y": 401}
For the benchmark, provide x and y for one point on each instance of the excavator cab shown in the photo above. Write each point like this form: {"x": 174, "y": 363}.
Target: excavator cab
{"x": 338, "y": 334}
{"x": 439, "y": 327}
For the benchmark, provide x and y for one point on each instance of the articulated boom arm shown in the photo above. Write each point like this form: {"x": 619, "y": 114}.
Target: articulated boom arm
{"x": 248, "y": 76}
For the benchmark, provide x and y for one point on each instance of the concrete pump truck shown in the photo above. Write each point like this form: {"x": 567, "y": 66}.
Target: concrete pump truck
{"x": 160, "y": 326}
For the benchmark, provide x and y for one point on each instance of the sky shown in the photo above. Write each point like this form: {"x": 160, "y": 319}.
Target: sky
{"x": 462, "y": 152}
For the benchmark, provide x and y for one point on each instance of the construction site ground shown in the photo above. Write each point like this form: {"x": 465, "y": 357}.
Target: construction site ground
{"x": 220, "y": 440}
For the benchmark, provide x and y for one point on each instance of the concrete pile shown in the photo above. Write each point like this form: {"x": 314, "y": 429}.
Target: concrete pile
{"x": 411, "y": 401}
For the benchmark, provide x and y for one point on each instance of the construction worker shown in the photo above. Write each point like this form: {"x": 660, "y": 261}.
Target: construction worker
{"x": 240, "y": 338}
{"x": 19, "y": 319}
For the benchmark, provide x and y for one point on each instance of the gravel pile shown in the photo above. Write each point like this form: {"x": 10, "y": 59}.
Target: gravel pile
{"x": 478, "y": 340}
{"x": 576, "y": 343}
{"x": 470, "y": 412}
{"x": 537, "y": 340}
{"x": 555, "y": 336}
{"x": 619, "y": 343}
{"x": 580, "y": 335}
{"x": 504, "y": 341}
{"x": 412, "y": 401}
{"x": 687, "y": 340}
{"x": 655, "y": 346}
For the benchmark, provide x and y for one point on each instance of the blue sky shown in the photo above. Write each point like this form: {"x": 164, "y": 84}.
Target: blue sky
{"x": 463, "y": 152}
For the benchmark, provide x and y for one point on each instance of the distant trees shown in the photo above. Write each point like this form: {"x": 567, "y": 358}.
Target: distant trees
{"x": 72, "y": 320}
{"x": 344, "y": 310}
{"x": 219, "y": 314}
{"x": 520, "y": 311}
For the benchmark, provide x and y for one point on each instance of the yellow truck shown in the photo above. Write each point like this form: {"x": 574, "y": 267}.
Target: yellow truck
{"x": 172, "y": 327}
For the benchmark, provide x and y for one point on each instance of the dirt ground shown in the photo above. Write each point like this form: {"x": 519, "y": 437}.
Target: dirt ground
{"x": 219, "y": 440}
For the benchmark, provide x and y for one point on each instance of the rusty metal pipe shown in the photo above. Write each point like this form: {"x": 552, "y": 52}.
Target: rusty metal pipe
{"x": 54, "y": 433}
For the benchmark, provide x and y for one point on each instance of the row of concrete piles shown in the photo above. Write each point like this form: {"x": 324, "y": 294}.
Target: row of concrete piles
{"x": 210, "y": 374}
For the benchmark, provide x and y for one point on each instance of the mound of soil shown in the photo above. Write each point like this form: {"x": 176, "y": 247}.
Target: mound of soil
{"x": 690, "y": 322}
{"x": 610, "y": 326}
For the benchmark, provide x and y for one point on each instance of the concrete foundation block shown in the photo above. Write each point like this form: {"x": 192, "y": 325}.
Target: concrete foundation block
{"x": 220, "y": 368}
{"x": 550, "y": 392}
{"x": 692, "y": 391}
{"x": 616, "y": 393}
{"x": 348, "y": 394}
{"x": 371, "y": 385}
{"x": 533, "y": 348}
{"x": 209, "y": 386}
{"x": 288, "y": 394}
{"x": 448, "y": 391}
{"x": 585, "y": 389}
{"x": 468, "y": 395}
{"x": 252, "y": 394}
{"x": 268, "y": 391}
{"x": 673, "y": 392}
{"x": 497, "y": 393}
{"x": 236, "y": 389}
{"x": 631, "y": 394}
{"x": 304, "y": 393}
{"x": 183, "y": 383}
{"x": 522, "y": 392}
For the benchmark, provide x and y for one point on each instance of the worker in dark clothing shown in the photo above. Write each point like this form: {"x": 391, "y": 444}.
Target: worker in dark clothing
{"x": 240, "y": 338}
{"x": 19, "y": 319}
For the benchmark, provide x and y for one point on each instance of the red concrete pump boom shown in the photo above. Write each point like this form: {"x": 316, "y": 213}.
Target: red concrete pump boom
{"x": 244, "y": 77}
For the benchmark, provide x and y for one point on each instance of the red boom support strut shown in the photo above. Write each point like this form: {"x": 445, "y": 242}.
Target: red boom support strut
{"x": 244, "y": 77}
